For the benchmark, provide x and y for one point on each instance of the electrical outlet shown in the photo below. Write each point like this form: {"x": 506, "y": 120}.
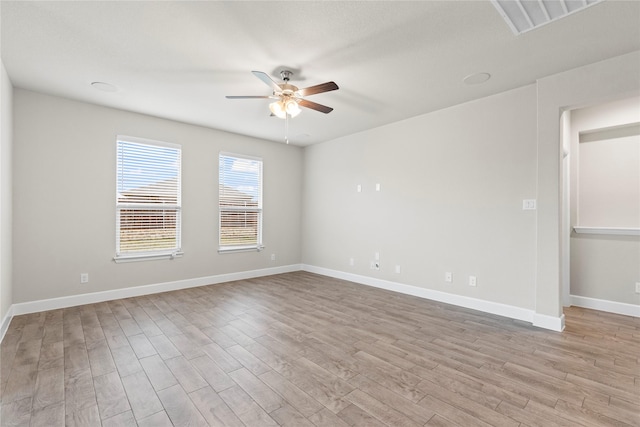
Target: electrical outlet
{"x": 637, "y": 287}
{"x": 84, "y": 277}
{"x": 529, "y": 205}
{"x": 398, "y": 269}
{"x": 448, "y": 277}
{"x": 351, "y": 262}
{"x": 472, "y": 281}
{"x": 273, "y": 257}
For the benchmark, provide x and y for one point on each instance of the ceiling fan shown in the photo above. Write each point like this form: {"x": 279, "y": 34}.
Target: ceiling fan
{"x": 290, "y": 98}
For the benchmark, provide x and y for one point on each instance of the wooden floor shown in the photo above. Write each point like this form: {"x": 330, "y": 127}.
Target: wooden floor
{"x": 300, "y": 349}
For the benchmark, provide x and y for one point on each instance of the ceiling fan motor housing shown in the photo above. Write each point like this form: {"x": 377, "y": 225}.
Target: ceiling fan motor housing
{"x": 286, "y": 75}
{"x": 288, "y": 90}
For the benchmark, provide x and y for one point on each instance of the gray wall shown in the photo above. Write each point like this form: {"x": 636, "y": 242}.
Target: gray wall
{"x": 64, "y": 199}
{"x": 605, "y": 174}
{"x": 600, "y": 82}
{"x": 6, "y": 142}
{"x": 452, "y": 187}
{"x": 452, "y": 184}
{"x": 605, "y": 267}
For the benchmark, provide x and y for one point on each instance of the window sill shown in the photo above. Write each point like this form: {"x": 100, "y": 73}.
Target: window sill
{"x": 618, "y": 231}
{"x": 146, "y": 257}
{"x": 234, "y": 249}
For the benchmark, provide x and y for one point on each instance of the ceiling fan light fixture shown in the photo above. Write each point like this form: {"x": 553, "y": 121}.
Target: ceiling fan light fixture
{"x": 292, "y": 108}
{"x": 277, "y": 110}
{"x": 289, "y": 99}
{"x": 283, "y": 107}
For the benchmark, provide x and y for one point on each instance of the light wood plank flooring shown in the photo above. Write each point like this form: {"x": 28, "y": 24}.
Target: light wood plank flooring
{"x": 300, "y": 349}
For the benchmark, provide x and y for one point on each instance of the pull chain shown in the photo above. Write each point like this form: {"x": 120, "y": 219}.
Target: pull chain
{"x": 286, "y": 127}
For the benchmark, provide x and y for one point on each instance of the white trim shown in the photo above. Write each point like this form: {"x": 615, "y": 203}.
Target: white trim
{"x": 543, "y": 321}
{"x": 151, "y": 162}
{"x": 549, "y": 322}
{"x": 5, "y": 322}
{"x": 243, "y": 156}
{"x": 510, "y": 311}
{"x": 235, "y": 249}
{"x": 95, "y": 297}
{"x": 257, "y": 209}
{"x": 618, "y": 231}
{"x": 606, "y": 305}
{"x": 138, "y": 140}
{"x": 147, "y": 257}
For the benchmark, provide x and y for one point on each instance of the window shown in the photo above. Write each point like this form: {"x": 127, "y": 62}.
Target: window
{"x": 240, "y": 202}
{"x": 147, "y": 199}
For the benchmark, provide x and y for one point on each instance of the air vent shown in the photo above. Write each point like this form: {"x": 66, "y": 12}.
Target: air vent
{"x": 525, "y": 15}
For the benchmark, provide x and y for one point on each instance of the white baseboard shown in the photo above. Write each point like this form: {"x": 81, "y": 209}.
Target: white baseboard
{"x": 549, "y": 322}
{"x": 5, "y": 322}
{"x": 505, "y": 310}
{"x": 543, "y": 321}
{"x": 95, "y": 297}
{"x": 605, "y": 305}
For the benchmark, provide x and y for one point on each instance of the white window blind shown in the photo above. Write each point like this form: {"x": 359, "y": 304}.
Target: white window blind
{"x": 148, "y": 199}
{"x": 240, "y": 202}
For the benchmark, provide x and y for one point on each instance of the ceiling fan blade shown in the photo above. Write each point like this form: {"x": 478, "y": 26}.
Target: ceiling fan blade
{"x": 315, "y": 106}
{"x": 247, "y": 97}
{"x": 268, "y": 80}
{"x": 323, "y": 87}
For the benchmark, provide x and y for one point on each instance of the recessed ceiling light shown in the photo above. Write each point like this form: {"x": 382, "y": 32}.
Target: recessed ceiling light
{"x": 105, "y": 87}
{"x": 477, "y": 78}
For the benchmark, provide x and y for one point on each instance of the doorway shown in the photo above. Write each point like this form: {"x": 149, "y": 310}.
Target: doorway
{"x": 600, "y": 210}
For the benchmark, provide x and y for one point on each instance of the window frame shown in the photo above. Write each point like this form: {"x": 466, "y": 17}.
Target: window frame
{"x": 144, "y": 255}
{"x": 258, "y": 246}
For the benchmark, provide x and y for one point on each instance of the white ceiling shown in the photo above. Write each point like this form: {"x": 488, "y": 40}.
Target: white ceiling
{"x": 392, "y": 59}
